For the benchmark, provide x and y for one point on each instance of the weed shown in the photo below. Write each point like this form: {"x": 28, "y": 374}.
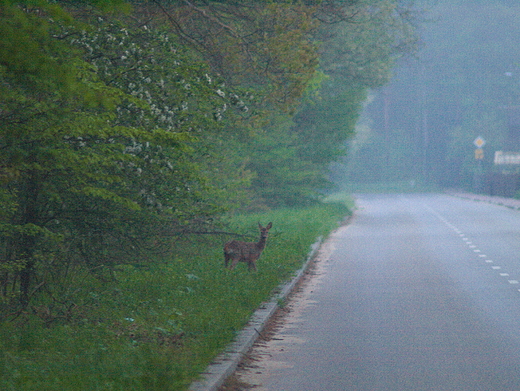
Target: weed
{"x": 155, "y": 327}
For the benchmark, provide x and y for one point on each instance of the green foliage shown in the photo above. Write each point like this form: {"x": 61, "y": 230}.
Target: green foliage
{"x": 125, "y": 134}
{"x": 362, "y": 48}
{"x": 156, "y": 326}
{"x": 358, "y": 54}
{"x": 282, "y": 178}
{"x": 56, "y": 139}
{"x": 265, "y": 46}
{"x": 382, "y": 159}
{"x": 325, "y": 123}
{"x": 99, "y": 156}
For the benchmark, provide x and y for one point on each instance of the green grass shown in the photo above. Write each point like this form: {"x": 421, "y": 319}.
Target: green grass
{"x": 391, "y": 187}
{"x": 343, "y": 198}
{"x": 156, "y": 326}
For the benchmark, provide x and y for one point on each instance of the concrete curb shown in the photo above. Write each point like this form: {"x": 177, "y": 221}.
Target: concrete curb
{"x": 226, "y": 363}
{"x": 503, "y": 201}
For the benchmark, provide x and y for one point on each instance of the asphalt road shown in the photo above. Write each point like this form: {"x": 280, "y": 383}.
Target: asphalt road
{"x": 419, "y": 292}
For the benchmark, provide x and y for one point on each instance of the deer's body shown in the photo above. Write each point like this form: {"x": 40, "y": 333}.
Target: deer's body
{"x": 248, "y": 252}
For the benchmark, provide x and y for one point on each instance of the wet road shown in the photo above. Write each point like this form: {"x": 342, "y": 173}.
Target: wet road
{"x": 419, "y": 292}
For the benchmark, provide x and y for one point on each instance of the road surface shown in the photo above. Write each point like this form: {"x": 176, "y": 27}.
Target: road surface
{"x": 419, "y": 292}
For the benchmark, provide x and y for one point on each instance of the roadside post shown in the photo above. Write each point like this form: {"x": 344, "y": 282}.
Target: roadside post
{"x": 479, "y": 142}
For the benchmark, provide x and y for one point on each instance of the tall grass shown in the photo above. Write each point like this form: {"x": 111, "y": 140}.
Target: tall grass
{"x": 157, "y": 326}
{"x": 409, "y": 186}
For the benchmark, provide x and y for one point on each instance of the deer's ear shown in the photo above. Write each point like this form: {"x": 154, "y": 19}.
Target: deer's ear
{"x": 260, "y": 225}
{"x": 269, "y": 225}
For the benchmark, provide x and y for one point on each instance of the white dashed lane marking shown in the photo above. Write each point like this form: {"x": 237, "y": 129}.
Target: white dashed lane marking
{"x": 472, "y": 246}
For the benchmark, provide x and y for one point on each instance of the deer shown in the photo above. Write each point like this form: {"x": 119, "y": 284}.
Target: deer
{"x": 249, "y": 252}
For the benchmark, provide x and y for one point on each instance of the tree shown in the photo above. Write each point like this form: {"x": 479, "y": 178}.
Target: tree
{"x": 464, "y": 76}
{"x": 362, "y": 41}
{"x": 97, "y": 151}
{"x": 121, "y": 129}
{"x": 265, "y": 46}
{"x": 56, "y": 139}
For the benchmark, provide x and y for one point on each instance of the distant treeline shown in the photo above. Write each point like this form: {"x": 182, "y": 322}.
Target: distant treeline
{"x": 464, "y": 83}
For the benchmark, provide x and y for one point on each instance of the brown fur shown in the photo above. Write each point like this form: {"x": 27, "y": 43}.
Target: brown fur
{"x": 249, "y": 252}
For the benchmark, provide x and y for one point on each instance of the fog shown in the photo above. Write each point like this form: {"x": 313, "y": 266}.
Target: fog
{"x": 463, "y": 83}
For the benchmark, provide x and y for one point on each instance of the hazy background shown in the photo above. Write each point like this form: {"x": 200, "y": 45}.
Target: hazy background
{"x": 463, "y": 83}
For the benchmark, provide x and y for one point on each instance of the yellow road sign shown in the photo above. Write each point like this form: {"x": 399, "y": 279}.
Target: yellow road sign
{"x": 479, "y": 142}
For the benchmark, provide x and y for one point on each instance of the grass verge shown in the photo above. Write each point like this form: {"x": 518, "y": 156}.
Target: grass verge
{"x": 156, "y": 326}
{"x": 410, "y": 186}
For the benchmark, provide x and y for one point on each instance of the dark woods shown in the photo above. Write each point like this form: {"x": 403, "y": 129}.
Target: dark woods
{"x": 126, "y": 125}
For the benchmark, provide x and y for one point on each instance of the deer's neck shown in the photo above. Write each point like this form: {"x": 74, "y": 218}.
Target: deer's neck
{"x": 261, "y": 243}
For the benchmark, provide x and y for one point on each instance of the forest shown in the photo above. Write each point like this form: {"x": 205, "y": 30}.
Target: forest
{"x": 132, "y": 132}
{"x": 463, "y": 83}
{"x": 126, "y": 123}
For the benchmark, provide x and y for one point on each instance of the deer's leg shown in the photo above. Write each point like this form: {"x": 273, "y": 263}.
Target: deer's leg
{"x": 226, "y": 259}
{"x": 251, "y": 265}
{"x": 234, "y": 263}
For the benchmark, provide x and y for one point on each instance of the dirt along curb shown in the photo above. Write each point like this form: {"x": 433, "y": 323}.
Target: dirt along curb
{"x": 226, "y": 363}
{"x": 512, "y": 203}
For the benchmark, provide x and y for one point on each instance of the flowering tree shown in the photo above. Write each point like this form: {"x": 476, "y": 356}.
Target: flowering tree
{"x": 119, "y": 129}
{"x": 263, "y": 45}
{"x": 102, "y": 143}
